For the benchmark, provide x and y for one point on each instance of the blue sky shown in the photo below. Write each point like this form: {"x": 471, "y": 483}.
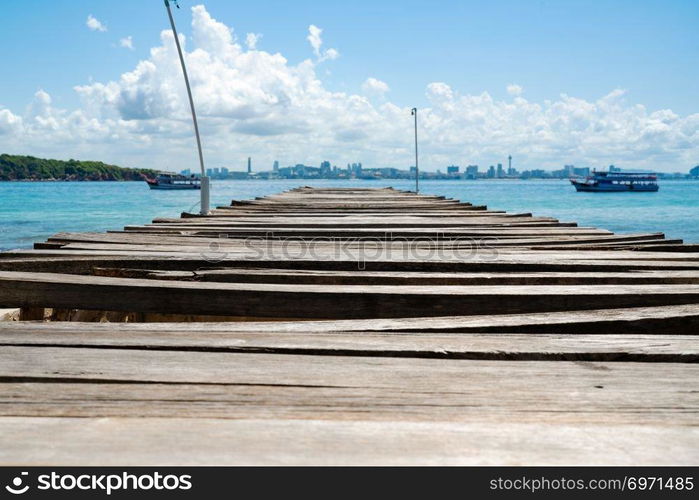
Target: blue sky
{"x": 582, "y": 49}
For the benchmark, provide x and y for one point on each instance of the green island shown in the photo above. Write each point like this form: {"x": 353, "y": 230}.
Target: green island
{"x": 29, "y": 168}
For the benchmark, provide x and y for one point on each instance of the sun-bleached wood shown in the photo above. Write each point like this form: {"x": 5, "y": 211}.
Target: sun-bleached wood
{"x": 351, "y": 326}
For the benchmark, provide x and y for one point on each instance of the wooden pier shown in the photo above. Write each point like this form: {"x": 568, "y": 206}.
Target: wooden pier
{"x": 351, "y": 326}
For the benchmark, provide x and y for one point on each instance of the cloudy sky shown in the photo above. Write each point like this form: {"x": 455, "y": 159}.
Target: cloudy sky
{"x": 583, "y": 82}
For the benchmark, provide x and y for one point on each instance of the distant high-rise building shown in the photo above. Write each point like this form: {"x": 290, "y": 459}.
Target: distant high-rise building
{"x": 452, "y": 170}
{"x": 209, "y": 172}
{"x": 325, "y": 169}
{"x": 510, "y": 170}
{"x": 275, "y": 167}
{"x": 491, "y": 172}
{"x": 472, "y": 172}
{"x": 501, "y": 171}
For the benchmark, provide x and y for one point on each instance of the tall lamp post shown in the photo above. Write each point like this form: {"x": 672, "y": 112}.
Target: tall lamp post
{"x": 204, "y": 205}
{"x": 417, "y": 170}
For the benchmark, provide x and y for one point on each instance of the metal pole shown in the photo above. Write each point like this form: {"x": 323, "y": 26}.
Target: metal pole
{"x": 417, "y": 169}
{"x": 204, "y": 179}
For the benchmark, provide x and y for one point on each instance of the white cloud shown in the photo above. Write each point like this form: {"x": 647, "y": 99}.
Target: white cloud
{"x": 9, "y": 122}
{"x": 252, "y": 39}
{"x": 514, "y": 89}
{"x": 126, "y": 42}
{"x": 439, "y": 92}
{"x": 376, "y": 87}
{"x": 315, "y": 39}
{"x": 94, "y": 24}
{"x": 330, "y": 54}
{"x": 257, "y": 101}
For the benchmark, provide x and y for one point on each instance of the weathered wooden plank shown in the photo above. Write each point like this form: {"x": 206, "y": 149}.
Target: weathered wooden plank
{"x": 639, "y": 244}
{"x": 622, "y": 390}
{"x": 665, "y": 319}
{"x": 84, "y": 383}
{"x": 149, "y": 442}
{"x": 643, "y": 320}
{"x": 506, "y": 220}
{"x": 301, "y": 276}
{"x": 192, "y": 235}
{"x": 361, "y": 208}
{"x": 83, "y": 262}
{"x": 322, "y": 301}
{"x": 505, "y": 231}
{"x": 501, "y": 346}
{"x": 515, "y": 255}
{"x": 232, "y": 211}
{"x": 610, "y": 404}
{"x": 283, "y": 198}
{"x": 325, "y": 198}
{"x": 387, "y": 244}
{"x": 419, "y": 231}
{"x": 467, "y": 252}
{"x": 353, "y": 257}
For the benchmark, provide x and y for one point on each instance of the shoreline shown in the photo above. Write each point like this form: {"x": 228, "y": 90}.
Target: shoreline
{"x": 329, "y": 179}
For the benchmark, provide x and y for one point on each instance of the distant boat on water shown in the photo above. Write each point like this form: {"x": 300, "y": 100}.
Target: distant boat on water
{"x": 174, "y": 181}
{"x": 616, "y": 181}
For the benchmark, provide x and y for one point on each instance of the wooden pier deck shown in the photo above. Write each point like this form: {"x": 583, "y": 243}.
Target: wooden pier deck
{"x": 351, "y": 326}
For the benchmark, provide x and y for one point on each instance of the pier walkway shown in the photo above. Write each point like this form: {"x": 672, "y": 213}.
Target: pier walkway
{"x": 351, "y": 326}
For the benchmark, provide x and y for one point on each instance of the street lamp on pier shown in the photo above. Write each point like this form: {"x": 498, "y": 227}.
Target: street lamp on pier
{"x": 417, "y": 169}
{"x": 204, "y": 205}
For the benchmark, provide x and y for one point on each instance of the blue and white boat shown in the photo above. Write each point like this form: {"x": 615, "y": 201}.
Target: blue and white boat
{"x": 173, "y": 181}
{"x": 616, "y": 181}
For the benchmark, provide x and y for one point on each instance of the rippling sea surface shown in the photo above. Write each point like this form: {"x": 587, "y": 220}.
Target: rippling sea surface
{"x": 33, "y": 211}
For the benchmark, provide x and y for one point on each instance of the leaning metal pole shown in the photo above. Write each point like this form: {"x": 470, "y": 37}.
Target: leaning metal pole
{"x": 417, "y": 170}
{"x": 204, "y": 179}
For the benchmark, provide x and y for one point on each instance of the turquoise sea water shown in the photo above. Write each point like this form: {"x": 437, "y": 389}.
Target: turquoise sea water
{"x": 33, "y": 211}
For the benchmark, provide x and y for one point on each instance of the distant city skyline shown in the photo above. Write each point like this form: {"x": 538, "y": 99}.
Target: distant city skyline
{"x": 327, "y": 170}
{"x": 560, "y": 82}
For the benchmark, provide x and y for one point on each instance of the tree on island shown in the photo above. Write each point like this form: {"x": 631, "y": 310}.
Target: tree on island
{"x": 18, "y": 168}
